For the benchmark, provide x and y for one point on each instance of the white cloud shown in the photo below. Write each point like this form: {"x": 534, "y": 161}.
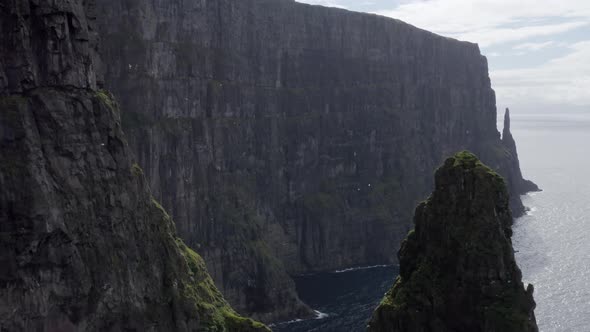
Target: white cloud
{"x": 534, "y": 46}
{"x": 512, "y": 32}
{"x": 564, "y": 80}
{"x": 326, "y": 3}
{"x": 492, "y": 36}
{"x": 489, "y": 22}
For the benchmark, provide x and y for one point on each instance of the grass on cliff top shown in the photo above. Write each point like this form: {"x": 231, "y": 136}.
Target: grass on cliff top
{"x": 469, "y": 161}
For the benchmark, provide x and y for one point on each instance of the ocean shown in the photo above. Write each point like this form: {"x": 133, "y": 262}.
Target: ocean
{"x": 552, "y": 241}
{"x": 344, "y": 300}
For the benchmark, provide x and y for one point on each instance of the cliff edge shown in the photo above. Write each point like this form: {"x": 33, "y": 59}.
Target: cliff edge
{"x": 457, "y": 267}
{"x": 83, "y": 245}
{"x": 285, "y": 138}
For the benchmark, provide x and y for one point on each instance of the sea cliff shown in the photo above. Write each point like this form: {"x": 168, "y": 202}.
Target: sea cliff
{"x": 285, "y": 138}
{"x": 83, "y": 244}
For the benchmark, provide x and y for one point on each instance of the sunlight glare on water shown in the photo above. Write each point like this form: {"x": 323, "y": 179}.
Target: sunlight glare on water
{"x": 553, "y": 240}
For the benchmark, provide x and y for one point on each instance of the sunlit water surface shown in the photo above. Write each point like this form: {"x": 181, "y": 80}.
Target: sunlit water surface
{"x": 553, "y": 240}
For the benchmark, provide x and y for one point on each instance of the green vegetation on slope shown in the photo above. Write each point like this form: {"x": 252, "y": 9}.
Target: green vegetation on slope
{"x": 196, "y": 289}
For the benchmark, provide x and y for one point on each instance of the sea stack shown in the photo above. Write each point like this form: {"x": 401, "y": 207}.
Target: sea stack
{"x": 457, "y": 267}
{"x": 523, "y": 186}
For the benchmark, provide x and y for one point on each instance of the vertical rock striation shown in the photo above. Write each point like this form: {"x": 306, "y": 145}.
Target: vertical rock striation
{"x": 286, "y": 138}
{"x": 457, "y": 267}
{"x": 83, "y": 245}
{"x": 518, "y": 184}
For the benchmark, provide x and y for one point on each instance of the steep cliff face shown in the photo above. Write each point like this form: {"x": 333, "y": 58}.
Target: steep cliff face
{"x": 297, "y": 135}
{"x": 83, "y": 245}
{"x": 457, "y": 267}
{"x": 517, "y": 186}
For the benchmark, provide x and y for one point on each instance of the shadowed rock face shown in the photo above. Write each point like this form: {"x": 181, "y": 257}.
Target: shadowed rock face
{"x": 457, "y": 267}
{"x": 519, "y": 187}
{"x": 276, "y": 132}
{"x": 286, "y": 138}
{"x": 83, "y": 245}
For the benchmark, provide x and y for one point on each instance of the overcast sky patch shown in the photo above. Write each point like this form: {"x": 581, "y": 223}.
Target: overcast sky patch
{"x": 538, "y": 50}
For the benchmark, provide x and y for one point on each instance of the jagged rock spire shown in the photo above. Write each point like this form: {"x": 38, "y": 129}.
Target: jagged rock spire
{"x": 506, "y": 122}
{"x": 518, "y": 184}
{"x": 457, "y": 268}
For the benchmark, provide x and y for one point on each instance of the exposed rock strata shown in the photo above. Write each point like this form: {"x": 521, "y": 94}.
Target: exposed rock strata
{"x": 297, "y": 135}
{"x": 457, "y": 267}
{"x": 83, "y": 245}
{"x": 517, "y": 187}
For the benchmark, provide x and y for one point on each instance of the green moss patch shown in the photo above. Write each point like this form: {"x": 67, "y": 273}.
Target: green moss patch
{"x": 137, "y": 172}
{"x": 208, "y": 301}
{"x": 198, "y": 292}
{"x": 106, "y": 98}
{"x": 469, "y": 162}
{"x": 457, "y": 269}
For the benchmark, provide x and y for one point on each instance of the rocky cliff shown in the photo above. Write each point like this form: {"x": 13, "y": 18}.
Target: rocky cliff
{"x": 516, "y": 187}
{"x": 457, "y": 267}
{"x": 83, "y": 245}
{"x": 286, "y": 138}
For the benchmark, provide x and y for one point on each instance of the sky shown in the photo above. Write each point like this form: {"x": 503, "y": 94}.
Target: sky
{"x": 538, "y": 50}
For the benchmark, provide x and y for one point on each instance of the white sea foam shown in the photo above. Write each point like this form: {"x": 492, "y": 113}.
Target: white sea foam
{"x": 297, "y": 320}
{"x": 359, "y": 268}
{"x": 320, "y": 315}
{"x": 531, "y": 211}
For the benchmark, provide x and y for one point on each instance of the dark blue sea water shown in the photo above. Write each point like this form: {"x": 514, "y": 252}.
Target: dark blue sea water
{"x": 344, "y": 300}
{"x": 552, "y": 241}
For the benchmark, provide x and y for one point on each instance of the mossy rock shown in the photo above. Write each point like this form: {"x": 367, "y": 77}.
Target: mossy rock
{"x": 208, "y": 300}
{"x": 457, "y": 268}
{"x": 137, "y": 171}
{"x": 107, "y": 98}
{"x": 198, "y": 292}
